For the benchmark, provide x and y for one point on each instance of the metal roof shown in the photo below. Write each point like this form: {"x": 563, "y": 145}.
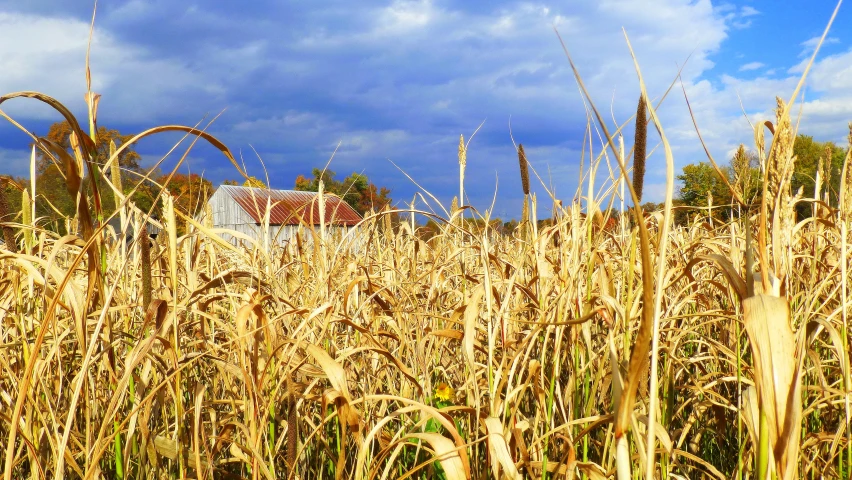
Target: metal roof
{"x": 289, "y": 206}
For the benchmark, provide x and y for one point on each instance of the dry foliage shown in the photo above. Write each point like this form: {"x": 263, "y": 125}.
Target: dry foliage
{"x": 473, "y": 355}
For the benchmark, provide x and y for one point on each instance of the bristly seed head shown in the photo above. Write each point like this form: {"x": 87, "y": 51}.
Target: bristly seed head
{"x": 640, "y": 142}
{"x": 6, "y": 216}
{"x": 525, "y": 174}
{"x": 145, "y": 259}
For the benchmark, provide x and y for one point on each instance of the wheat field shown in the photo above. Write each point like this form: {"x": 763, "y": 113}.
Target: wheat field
{"x": 569, "y": 348}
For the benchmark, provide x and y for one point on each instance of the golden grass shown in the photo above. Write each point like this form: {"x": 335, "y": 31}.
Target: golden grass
{"x": 286, "y": 367}
{"x": 571, "y": 347}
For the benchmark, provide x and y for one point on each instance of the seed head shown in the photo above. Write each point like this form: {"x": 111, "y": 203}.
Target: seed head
{"x": 525, "y": 174}
{"x": 640, "y": 141}
{"x": 6, "y": 216}
{"x": 145, "y": 258}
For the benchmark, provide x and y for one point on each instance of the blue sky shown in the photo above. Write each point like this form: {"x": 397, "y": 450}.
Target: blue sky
{"x": 400, "y": 80}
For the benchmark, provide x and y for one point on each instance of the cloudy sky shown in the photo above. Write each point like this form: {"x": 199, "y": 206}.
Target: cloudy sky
{"x": 399, "y": 80}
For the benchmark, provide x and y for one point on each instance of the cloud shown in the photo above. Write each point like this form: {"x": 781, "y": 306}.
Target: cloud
{"x": 736, "y": 18}
{"x": 810, "y": 44}
{"x": 751, "y": 66}
{"x": 48, "y": 55}
{"x": 398, "y": 81}
{"x": 748, "y": 11}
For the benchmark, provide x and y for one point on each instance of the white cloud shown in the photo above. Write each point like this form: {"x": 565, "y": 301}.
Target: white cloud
{"x": 748, "y": 11}
{"x": 48, "y": 55}
{"x": 404, "y": 16}
{"x": 751, "y": 66}
{"x": 455, "y": 68}
{"x": 824, "y": 114}
{"x": 738, "y": 19}
{"x": 810, "y": 44}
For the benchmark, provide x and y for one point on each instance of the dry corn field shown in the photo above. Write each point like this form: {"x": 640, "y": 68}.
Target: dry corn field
{"x": 572, "y": 348}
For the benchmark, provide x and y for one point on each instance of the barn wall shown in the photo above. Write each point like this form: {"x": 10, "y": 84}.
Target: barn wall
{"x": 227, "y": 214}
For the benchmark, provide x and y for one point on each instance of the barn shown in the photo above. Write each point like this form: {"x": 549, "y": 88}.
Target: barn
{"x": 243, "y": 209}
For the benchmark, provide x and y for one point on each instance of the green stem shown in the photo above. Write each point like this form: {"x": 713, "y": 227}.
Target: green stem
{"x": 763, "y": 448}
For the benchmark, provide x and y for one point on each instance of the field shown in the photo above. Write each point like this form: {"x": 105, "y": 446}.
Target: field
{"x": 568, "y": 347}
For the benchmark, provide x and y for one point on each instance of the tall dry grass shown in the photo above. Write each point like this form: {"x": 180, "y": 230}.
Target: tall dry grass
{"x": 568, "y": 348}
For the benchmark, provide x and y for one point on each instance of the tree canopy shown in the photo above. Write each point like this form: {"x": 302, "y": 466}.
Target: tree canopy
{"x": 55, "y": 202}
{"x": 60, "y": 133}
{"x": 356, "y": 189}
{"x": 700, "y": 181}
{"x": 254, "y": 182}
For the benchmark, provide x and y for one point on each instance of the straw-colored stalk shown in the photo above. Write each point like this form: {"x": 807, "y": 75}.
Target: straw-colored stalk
{"x": 412, "y": 206}
{"x": 27, "y": 219}
{"x": 32, "y": 200}
{"x": 462, "y": 166}
{"x": 386, "y": 222}
{"x": 845, "y": 192}
{"x": 779, "y": 172}
{"x": 115, "y": 174}
{"x": 621, "y": 181}
{"x": 776, "y": 376}
{"x": 818, "y": 179}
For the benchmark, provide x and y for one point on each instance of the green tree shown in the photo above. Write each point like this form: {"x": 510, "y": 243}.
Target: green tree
{"x": 12, "y": 187}
{"x": 700, "y": 181}
{"x": 808, "y": 153}
{"x": 356, "y": 189}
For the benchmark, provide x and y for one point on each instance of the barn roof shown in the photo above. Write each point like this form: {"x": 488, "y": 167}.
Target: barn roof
{"x": 289, "y": 206}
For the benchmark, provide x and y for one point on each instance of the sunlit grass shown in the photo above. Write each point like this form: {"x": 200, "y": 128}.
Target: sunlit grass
{"x": 546, "y": 352}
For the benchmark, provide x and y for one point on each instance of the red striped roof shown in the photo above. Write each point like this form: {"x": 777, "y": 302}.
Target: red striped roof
{"x": 289, "y": 207}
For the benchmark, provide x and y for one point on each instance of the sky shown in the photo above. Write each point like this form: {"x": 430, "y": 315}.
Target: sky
{"x": 387, "y": 87}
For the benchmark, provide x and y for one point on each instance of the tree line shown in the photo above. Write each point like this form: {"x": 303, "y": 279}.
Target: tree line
{"x": 702, "y": 190}
{"x": 701, "y": 186}
{"x": 54, "y": 204}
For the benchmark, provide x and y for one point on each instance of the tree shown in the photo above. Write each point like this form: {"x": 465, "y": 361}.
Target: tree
{"x": 53, "y": 202}
{"x": 808, "y": 153}
{"x": 356, "y": 189}
{"x": 190, "y": 192}
{"x": 700, "y": 181}
{"x": 8, "y": 213}
{"x": 254, "y": 182}
{"x": 60, "y": 133}
{"x": 53, "y": 199}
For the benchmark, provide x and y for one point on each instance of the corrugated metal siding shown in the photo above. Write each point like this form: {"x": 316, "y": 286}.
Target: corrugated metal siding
{"x": 289, "y": 206}
{"x": 231, "y": 207}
